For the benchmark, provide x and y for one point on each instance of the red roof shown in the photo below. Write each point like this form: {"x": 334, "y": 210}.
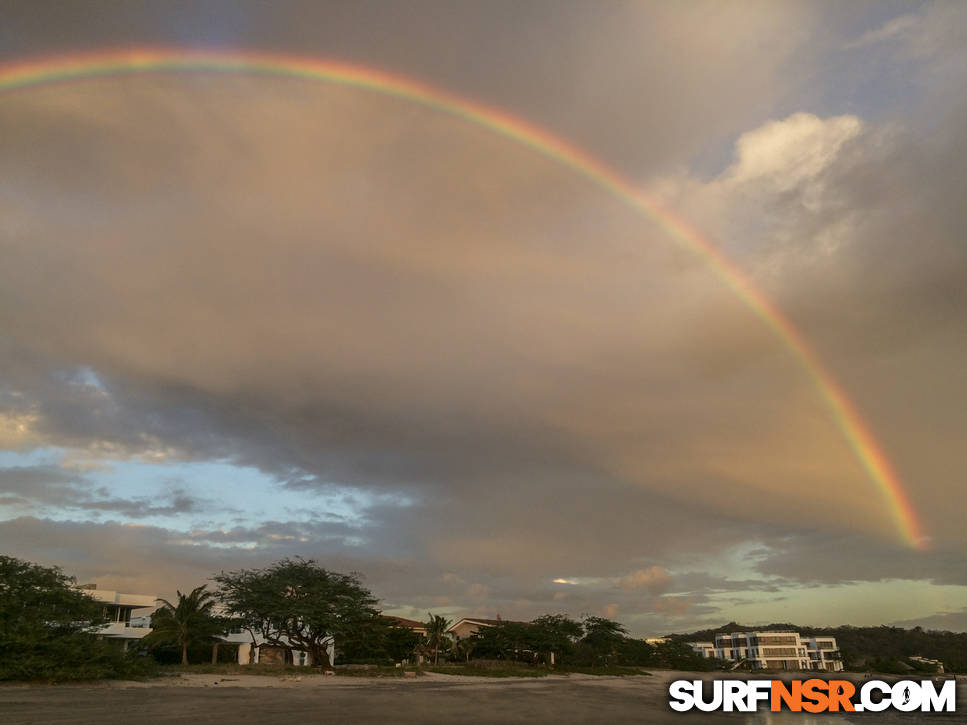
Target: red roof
{"x": 404, "y": 622}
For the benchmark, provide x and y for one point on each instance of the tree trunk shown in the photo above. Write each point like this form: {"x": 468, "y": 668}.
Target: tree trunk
{"x": 215, "y": 653}
{"x": 320, "y": 657}
{"x": 184, "y": 653}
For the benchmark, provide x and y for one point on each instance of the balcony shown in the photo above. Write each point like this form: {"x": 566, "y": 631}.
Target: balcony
{"x": 123, "y": 630}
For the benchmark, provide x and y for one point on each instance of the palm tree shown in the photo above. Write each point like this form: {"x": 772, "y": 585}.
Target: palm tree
{"x": 464, "y": 647}
{"x": 189, "y": 622}
{"x": 436, "y": 634}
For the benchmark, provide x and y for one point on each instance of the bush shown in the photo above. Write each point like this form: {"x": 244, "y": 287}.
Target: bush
{"x": 48, "y": 629}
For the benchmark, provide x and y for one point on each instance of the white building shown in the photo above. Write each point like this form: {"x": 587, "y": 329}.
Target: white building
{"x": 124, "y": 625}
{"x": 258, "y": 651}
{"x": 774, "y": 651}
{"x": 937, "y": 665}
{"x": 118, "y": 609}
{"x": 263, "y": 653}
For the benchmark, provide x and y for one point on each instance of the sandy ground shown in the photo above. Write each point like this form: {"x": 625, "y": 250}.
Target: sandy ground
{"x": 229, "y": 699}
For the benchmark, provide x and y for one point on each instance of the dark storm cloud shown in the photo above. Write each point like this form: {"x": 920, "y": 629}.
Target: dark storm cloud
{"x": 46, "y": 484}
{"x": 53, "y": 488}
{"x": 814, "y": 559}
{"x": 942, "y": 622}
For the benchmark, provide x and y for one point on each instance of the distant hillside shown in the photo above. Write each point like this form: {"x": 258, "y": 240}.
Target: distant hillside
{"x": 877, "y": 648}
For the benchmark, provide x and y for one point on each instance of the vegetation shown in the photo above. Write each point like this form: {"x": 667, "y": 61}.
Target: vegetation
{"x": 230, "y": 669}
{"x": 463, "y": 648}
{"x": 509, "y": 641}
{"x": 436, "y": 635}
{"x": 48, "y": 629}
{"x": 557, "y": 634}
{"x": 594, "y": 644}
{"x": 489, "y": 668}
{"x": 605, "y": 639}
{"x": 502, "y": 668}
{"x": 381, "y": 642}
{"x": 189, "y": 623}
{"x": 295, "y": 603}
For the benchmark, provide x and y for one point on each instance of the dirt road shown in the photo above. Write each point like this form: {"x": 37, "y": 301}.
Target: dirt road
{"x": 234, "y": 699}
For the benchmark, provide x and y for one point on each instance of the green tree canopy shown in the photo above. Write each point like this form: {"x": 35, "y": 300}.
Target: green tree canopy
{"x": 380, "y": 640}
{"x": 555, "y": 633}
{"x": 295, "y": 603}
{"x": 190, "y": 622}
{"x": 505, "y": 640}
{"x": 603, "y": 636}
{"x": 48, "y": 628}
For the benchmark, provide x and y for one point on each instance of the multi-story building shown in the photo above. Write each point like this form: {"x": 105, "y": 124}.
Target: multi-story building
{"x": 935, "y": 665}
{"x": 773, "y": 651}
{"x": 823, "y": 654}
{"x": 118, "y": 609}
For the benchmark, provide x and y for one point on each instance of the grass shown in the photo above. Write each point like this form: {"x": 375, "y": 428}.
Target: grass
{"x": 502, "y": 668}
{"x": 607, "y": 671}
{"x": 380, "y": 671}
{"x": 474, "y": 668}
{"x": 486, "y": 669}
{"x": 231, "y": 668}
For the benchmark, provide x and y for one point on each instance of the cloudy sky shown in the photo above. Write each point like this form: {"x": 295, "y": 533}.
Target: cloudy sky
{"x": 246, "y": 317}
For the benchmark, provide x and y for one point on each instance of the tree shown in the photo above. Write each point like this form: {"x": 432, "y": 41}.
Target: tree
{"x": 677, "y": 655}
{"x": 436, "y": 634}
{"x": 464, "y": 648}
{"x": 48, "y": 628}
{"x": 555, "y": 633}
{"x": 603, "y": 636}
{"x": 190, "y": 622}
{"x": 400, "y": 642}
{"x": 295, "y": 603}
{"x": 379, "y": 640}
{"x": 505, "y": 640}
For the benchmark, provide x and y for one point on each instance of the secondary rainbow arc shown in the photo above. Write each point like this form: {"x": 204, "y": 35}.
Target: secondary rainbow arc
{"x": 856, "y": 432}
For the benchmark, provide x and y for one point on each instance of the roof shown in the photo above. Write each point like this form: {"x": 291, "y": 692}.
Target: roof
{"x": 485, "y": 622}
{"x": 404, "y": 622}
{"x": 133, "y": 601}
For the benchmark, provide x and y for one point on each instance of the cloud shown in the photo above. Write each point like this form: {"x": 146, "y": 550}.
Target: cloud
{"x": 890, "y": 30}
{"x": 52, "y": 488}
{"x": 791, "y": 153}
{"x": 654, "y": 578}
{"x": 942, "y": 622}
{"x": 815, "y": 559}
{"x": 672, "y": 606}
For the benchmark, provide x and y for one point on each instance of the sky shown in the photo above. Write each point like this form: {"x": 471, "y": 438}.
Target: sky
{"x": 246, "y": 316}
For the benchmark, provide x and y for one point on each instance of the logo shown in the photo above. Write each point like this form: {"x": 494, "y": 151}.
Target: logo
{"x": 812, "y": 696}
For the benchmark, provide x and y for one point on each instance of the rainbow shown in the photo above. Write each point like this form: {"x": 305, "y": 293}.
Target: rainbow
{"x": 852, "y": 426}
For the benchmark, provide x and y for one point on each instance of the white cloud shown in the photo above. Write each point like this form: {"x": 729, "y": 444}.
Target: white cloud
{"x": 792, "y": 152}
{"x": 892, "y": 29}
